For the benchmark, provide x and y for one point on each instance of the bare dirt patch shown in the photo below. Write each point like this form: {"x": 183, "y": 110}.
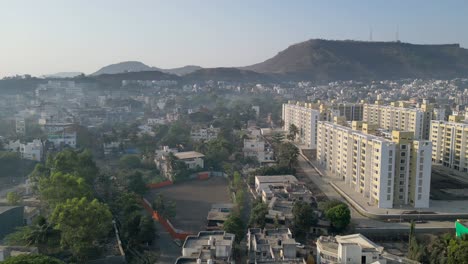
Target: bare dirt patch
{"x": 194, "y": 200}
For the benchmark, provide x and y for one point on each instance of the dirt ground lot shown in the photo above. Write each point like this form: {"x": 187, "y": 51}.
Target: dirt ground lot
{"x": 194, "y": 200}
{"x": 448, "y": 185}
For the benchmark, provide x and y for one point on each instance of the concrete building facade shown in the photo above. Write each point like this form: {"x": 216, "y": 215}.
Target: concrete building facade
{"x": 450, "y": 143}
{"x": 305, "y": 118}
{"x": 272, "y": 246}
{"x": 350, "y": 249}
{"x": 388, "y": 169}
{"x": 400, "y": 116}
{"x": 207, "y": 247}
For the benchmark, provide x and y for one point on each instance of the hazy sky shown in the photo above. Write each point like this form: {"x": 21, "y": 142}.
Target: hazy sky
{"x": 49, "y": 36}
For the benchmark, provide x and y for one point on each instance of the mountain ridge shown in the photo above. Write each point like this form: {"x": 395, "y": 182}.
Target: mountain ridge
{"x": 318, "y": 59}
{"x": 137, "y": 66}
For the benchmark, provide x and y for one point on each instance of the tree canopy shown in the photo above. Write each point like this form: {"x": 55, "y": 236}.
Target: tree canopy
{"x": 164, "y": 207}
{"x": 287, "y": 154}
{"x": 234, "y": 225}
{"x": 257, "y": 216}
{"x": 82, "y": 223}
{"x": 129, "y": 162}
{"x": 78, "y": 163}
{"x": 339, "y": 216}
{"x": 32, "y": 259}
{"x": 62, "y": 186}
{"x": 304, "y": 217}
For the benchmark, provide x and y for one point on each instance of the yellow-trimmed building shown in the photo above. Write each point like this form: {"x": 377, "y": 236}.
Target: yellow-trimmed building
{"x": 450, "y": 143}
{"x": 387, "y": 168}
{"x": 400, "y": 116}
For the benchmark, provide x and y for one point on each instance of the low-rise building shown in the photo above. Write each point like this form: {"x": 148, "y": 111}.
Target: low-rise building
{"x": 348, "y": 249}
{"x": 204, "y": 134}
{"x": 272, "y": 246}
{"x": 217, "y": 215}
{"x": 208, "y": 247}
{"x": 11, "y": 217}
{"x": 262, "y": 184}
{"x": 67, "y": 137}
{"x": 280, "y": 193}
{"x": 192, "y": 159}
{"x": 256, "y": 147}
{"x": 31, "y": 150}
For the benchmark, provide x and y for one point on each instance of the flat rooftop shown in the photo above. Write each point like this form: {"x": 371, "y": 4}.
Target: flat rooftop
{"x": 276, "y": 179}
{"x": 188, "y": 155}
{"x": 3, "y": 209}
{"x": 200, "y": 240}
{"x": 359, "y": 239}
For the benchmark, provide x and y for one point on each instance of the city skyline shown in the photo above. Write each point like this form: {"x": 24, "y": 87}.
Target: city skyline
{"x": 53, "y": 36}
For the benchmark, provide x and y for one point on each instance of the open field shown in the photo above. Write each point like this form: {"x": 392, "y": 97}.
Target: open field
{"x": 194, "y": 200}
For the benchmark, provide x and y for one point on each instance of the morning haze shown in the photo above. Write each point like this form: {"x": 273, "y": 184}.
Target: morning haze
{"x": 223, "y": 132}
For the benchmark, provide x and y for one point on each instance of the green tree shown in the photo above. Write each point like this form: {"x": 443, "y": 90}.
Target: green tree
{"x": 257, "y": 216}
{"x": 178, "y": 134}
{"x": 82, "y": 224}
{"x": 273, "y": 170}
{"x": 147, "y": 230}
{"x": 165, "y": 208}
{"x": 327, "y": 205}
{"x": 217, "y": 151}
{"x": 13, "y": 198}
{"x": 416, "y": 251}
{"x": 339, "y": 216}
{"x": 136, "y": 183}
{"x": 287, "y": 155}
{"x": 178, "y": 168}
{"x": 39, "y": 234}
{"x": 458, "y": 250}
{"x": 234, "y": 225}
{"x": 32, "y": 259}
{"x": 80, "y": 164}
{"x": 129, "y": 162}
{"x": 277, "y": 139}
{"x": 236, "y": 181}
{"x": 304, "y": 218}
{"x": 293, "y": 131}
{"x": 60, "y": 186}
{"x": 439, "y": 249}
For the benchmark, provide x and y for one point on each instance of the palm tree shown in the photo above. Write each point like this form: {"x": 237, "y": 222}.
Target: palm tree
{"x": 293, "y": 131}
{"x": 277, "y": 139}
{"x": 288, "y": 154}
{"x": 439, "y": 249}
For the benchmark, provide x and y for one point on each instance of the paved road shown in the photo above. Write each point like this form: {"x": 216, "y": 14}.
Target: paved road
{"x": 169, "y": 251}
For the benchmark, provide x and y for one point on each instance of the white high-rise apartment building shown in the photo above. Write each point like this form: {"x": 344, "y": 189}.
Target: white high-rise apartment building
{"x": 388, "y": 171}
{"x": 450, "y": 143}
{"x": 305, "y": 118}
{"x": 399, "y": 116}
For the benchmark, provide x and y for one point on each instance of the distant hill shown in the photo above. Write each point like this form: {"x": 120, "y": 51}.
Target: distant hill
{"x": 182, "y": 70}
{"x": 136, "y": 66}
{"x": 62, "y": 75}
{"x": 318, "y": 59}
{"x": 226, "y": 74}
{"x": 121, "y": 67}
{"x": 116, "y": 79}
